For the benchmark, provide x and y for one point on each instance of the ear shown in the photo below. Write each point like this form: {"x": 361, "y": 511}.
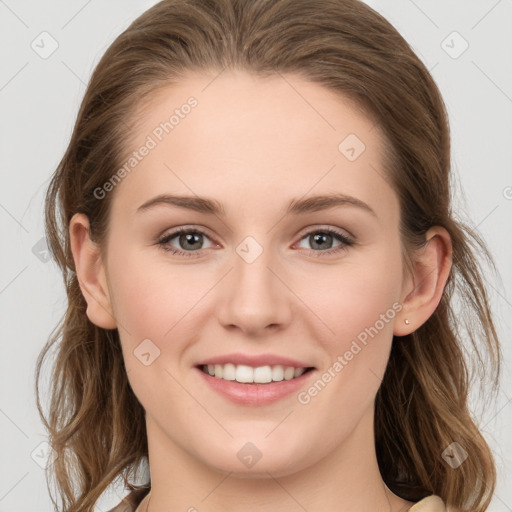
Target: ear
{"x": 91, "y": 273}
{"x": 424, "y": 288}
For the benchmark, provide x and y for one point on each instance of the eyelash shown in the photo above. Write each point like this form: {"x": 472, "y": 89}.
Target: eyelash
{"x": 345, "y": 242}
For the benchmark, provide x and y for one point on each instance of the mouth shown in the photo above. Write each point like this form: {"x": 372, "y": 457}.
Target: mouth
{"x": 245, "y": 374}
{"x": 254, "y": 379}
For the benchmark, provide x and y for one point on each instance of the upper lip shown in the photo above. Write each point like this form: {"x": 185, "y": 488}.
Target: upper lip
{"x": 255, "y": 360}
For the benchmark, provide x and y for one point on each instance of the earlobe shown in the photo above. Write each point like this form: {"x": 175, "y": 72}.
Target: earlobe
{"x": 91, "y": 273}
{"x": 422, "y": 293}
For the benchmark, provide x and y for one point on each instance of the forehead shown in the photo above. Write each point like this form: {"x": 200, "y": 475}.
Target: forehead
{"x": 274, "y": 137}
{"x": 278, "y": 111}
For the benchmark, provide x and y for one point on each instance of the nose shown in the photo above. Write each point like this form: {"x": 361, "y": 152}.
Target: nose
{"x": 254, "y": 296}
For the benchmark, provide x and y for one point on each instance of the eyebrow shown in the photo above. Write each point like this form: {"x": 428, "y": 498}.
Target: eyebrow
{"x": 296, "y": 206}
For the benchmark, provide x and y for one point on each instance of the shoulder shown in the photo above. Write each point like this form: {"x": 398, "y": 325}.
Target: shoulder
{"x": 429, "y": 504}
{"x": 130, "y": 502}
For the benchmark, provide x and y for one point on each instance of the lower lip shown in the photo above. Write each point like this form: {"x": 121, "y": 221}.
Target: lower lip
{"x": 255, "y": 394}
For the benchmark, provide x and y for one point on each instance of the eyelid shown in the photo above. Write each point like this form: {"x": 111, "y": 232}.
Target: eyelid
{"x": 187, "y": 228}
{"x": 346, "y": 240}
{"x": 168, "y": 235}
{"x": 325, "y": 228}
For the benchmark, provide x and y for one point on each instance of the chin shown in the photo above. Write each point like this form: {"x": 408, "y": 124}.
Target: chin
{"x": 247, "y": 459}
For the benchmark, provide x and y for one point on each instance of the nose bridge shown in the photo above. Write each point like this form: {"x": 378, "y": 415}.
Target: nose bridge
{"x": 254, "y": 282}
{"x": 253, "y": 297}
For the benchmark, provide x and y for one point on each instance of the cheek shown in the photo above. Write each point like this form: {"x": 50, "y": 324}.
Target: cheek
{"x": 355, "y": 297}
{"x": 150, "y": 297}
{"x": 150, "y": 300}
{"x": 358, "y": 303}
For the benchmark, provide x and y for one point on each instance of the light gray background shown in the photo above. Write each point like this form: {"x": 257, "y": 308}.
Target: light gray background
{"x": 39, "y": 98}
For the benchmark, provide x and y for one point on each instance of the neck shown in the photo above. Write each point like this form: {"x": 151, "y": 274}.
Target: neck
{"x": 346, "y": 480}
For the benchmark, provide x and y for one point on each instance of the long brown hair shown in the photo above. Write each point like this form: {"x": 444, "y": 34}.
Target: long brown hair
{"x": 96, "y": 425}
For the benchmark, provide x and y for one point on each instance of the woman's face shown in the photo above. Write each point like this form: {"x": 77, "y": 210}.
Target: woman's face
{"x": 268, "y": 276}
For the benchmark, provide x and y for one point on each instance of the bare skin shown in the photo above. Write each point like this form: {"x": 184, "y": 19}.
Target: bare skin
{"x": 254, "y": 145}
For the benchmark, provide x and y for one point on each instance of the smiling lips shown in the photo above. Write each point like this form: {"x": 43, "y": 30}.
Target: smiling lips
{"x": 254, "y": 380}
{"x": 247, "y": 374}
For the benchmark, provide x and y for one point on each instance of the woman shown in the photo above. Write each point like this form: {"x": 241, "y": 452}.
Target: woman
{"x": 254, "y": 225}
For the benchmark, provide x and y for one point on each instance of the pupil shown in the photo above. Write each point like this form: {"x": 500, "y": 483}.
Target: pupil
{"x": 319, "y": 240}
{"x": 188, "y": 238}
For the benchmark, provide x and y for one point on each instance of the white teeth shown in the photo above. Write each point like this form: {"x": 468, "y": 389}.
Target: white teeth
{"x": 219, "y": 371}
{"x": 298, "y": 372}
{"x": 243, "y": 373}
{"x": 277, "y": 373}
{"x": 229, "y": 372}
{"x": 288, "y": 373}
{"x": 248, "y": 374}
{"x": 263, "y": 374}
